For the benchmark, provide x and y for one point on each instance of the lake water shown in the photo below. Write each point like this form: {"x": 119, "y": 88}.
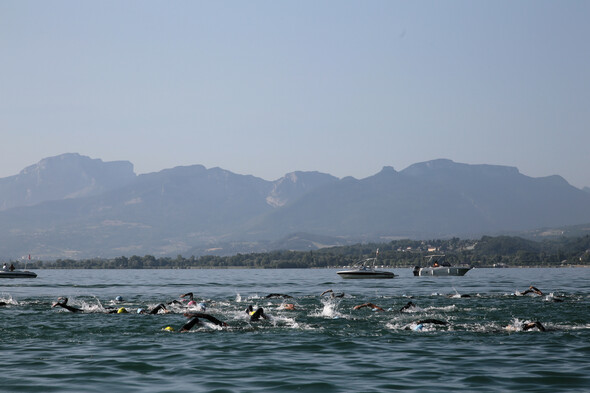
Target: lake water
{"x": 322, "y": 346}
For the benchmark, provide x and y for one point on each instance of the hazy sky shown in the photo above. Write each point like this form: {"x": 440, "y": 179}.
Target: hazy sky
{"x": 270, "y": 87}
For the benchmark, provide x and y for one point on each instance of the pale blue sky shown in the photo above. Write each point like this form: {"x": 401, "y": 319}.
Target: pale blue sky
{"x": 270, "y": 87}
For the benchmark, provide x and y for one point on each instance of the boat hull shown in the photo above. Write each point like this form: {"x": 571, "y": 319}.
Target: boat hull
{"x": 17, "y": 274}
{"x": 365, "y": 274}
{"x": 442, "y": 271}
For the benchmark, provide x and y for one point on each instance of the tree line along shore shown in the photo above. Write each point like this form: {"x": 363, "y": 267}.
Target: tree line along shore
{"x": 499, "y": 251}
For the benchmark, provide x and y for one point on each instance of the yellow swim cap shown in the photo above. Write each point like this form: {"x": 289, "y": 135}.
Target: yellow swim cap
{"x": 169, "y": 328}
{"x": 122, "y": 310}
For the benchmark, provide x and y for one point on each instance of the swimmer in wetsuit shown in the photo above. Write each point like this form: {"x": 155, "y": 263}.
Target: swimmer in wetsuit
{"x": 409, "y": 306}
{"x": 154, "y": 310}
{"x": 533, "y": 325}
{"x": 420, "y": 324}
{"x": 534, "y": 290}
{"x": 332, "y": 294}
{"x": 63, "y": 303}
{"x": 373, "y": 307}
{"x": 188, "y": 295}
{"x": 195, "y": 319}
{"x": 256, "y": 315}
{"x": 277, "y": 295}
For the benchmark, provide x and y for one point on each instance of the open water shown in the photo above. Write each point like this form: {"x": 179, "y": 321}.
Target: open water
{"x": 322, "y": 346}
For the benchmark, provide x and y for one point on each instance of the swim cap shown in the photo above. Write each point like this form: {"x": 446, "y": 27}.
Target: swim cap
{"x": 192, "y": 303}
{"x": 418, "y": 327}
{"x": 202, "y": 306}
{"x": 122, "y": 310}
{"x": 119, "y": 299}
{"x": 140, "y": 310}
{"x": 169, "y": 329}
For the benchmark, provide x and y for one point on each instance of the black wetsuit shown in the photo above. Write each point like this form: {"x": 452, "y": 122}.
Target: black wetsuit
{"x": 433, "y": 321}
{"x": 532, "y": 325}
{"x": 195, "y": 319}
{"x": 533, "y": 290}
{"x": 256, "y": 315}
{"x": 408, "y": 306}
{"x": 189, "y": 295}
{"x": 157, "y": 308}
{"x": 278, "y": 295}
{"x": 63, "y": 303}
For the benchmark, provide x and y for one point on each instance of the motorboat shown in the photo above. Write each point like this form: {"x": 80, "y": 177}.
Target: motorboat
{"x": 437, "y": 266}
{"x": 365, "y": 269}
{"x": 17, "y": 274}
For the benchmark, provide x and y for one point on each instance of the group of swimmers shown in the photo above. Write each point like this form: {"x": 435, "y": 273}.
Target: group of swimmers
{"x": 196, "y": 311}
{"x": 419, "y": 325}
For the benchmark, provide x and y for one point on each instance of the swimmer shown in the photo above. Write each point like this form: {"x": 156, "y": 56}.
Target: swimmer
{"x": 278, "y": 295}
{"x": 332, "y": 294}
{"x": 195, "y": 319}
{"x": 533, "y": 290}
{"x": 256, "y": 315}
{"x": 63, "y": 303}
{"x": 153, "y": 311}
{"x": 526, "y": 326}
{"x": 420, "y": 324}
{"x": 533, "y": 325}
{"x": 458, "y": 296}
{"x": 371, "y": 305}
{"x": 288, "y": 306}
{"x": 409, "y": 306}
{"x": 188, "y": 295}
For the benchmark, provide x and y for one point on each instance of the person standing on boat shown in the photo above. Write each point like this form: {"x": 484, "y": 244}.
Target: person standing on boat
{"x": 11, "y": 267}
{"x": 5, "y": 267}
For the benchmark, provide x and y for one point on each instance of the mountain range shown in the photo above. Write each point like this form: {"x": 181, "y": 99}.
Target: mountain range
{"x": 72, "y": 206}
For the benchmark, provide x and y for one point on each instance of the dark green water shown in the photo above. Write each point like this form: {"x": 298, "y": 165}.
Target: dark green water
{"x": 323, "y": 346}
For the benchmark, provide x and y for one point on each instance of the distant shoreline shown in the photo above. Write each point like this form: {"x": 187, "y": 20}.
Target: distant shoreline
{"x": 286, "y": 268}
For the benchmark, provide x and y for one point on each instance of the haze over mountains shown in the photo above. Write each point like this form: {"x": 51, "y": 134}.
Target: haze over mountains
{"x": 71, "y": 206}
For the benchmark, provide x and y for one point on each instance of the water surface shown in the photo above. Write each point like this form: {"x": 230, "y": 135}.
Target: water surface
{"x": 324, "y": 345}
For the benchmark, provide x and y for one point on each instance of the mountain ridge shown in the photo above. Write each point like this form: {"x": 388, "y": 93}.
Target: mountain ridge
{"x": 85, "y": 207}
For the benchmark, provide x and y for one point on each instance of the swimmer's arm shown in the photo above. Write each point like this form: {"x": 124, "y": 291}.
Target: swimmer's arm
{"x": 371, "y": 305}
{"x": 208, "y": 317}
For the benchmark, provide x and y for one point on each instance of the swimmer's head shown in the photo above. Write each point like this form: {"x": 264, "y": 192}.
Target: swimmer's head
{"x": 122, "y": 310}
{"x": 418, "y": 327}
{"x": 119, "y": 298}
{"x": 192, "y": 303}
{"x": 202, "y": 306}
{"x": 140, "y": 310}
{"x": 168, "y": 329}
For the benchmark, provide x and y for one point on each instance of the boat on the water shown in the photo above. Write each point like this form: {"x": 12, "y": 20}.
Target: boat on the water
{"x": 365, "y": 269}
{"x": 17, "y": 274}
{"x": 437, "y": 266}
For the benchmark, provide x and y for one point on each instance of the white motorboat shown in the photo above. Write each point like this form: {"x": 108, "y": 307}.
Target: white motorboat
{"x": 17, "y": 274}
{"x": 436, "y": 266}
{"x": 365, "y": 269}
